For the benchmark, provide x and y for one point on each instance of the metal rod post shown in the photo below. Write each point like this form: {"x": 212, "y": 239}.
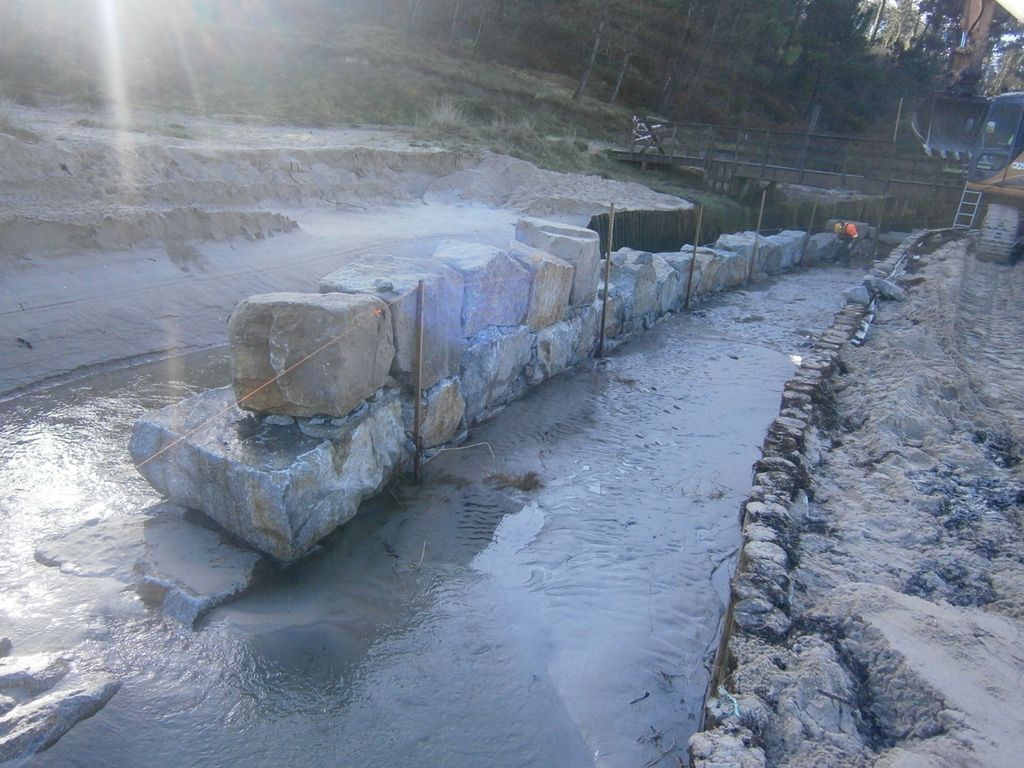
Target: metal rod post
{"x": 878, "y": 229}
{"x": 693, "y": 260}
{"x": 417, "y": 439}
{"x": 899, "y": 114}
{"x": 607, "y": 278}
{"x": 757, "y": 235}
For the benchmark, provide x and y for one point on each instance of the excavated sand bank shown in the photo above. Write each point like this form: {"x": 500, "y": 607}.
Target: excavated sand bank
{"x": 120, "y": 244}
{"x": 902, "y": 635}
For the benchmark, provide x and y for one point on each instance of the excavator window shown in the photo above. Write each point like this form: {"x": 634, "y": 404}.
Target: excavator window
{"x": 1001, "y": 127}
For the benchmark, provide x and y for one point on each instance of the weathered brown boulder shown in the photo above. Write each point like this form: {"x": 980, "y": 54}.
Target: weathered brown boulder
{"x": 303, "y": 354}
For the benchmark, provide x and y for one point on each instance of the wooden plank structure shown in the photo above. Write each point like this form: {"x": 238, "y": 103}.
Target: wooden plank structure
{"x": 730, "y": 156}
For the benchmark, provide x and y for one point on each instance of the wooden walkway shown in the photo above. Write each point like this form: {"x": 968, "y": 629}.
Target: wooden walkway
{"x": 730, "y": 156}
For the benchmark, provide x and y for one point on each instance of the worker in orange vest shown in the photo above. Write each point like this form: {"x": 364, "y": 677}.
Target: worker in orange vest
{"x": 846, "y": 230}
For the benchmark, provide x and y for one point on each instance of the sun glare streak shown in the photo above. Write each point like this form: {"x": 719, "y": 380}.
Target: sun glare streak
{"x": 186, "y": 64}
{"x": 117, "y": 87}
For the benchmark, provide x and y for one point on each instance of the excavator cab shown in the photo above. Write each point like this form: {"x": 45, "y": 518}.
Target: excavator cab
{"x": 985, "y": 134}
{"x": 995, "y": 161}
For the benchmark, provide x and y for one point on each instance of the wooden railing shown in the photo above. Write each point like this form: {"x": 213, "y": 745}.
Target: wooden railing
{"x": 660, "y": 142}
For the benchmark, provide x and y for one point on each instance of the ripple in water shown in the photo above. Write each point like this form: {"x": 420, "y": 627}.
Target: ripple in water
{"x": 454, "y": 623}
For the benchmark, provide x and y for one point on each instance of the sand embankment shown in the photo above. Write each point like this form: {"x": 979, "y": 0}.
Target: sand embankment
{"x": 117, "y": 244}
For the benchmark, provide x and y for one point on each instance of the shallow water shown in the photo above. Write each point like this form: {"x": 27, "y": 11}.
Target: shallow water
{"x": 454, "y": 623}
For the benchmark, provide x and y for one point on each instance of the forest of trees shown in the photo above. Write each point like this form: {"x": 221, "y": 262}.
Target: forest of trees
{"x": 757, "y": 62}
{"x": 770, "y": 61}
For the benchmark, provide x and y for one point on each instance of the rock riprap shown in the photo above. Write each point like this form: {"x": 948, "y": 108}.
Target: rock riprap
{"x": 183, "y": 568}
{"x": 304, "y": 354}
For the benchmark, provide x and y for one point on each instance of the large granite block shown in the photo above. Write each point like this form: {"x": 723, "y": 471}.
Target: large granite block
{"x": 634, "y": 278}
{"x": 680, "y": 261}
{"x": 394, "y": 279}
{"x": 589, "y": 323}
{"x": 303, "y": 354}
{"x": 443, "y": 409}
{"x": 550, "y": 284}
{"x": 493, "y": 360}
{"x": 554, "y": 350}
{"x": 273, "y": 486}
{"x": 822, "y": 248}
{"x": 578, "y": 246}
{"x": 792, "y": 242}
{"x": 669, "y": 285}
{"x": 496, "y": 289}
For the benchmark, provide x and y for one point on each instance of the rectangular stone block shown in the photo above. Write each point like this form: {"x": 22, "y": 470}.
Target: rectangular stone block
{"x": 496, "y": 289}
{"x": 634, "y": 278}
{"x": 554, "y": 350}
{"x": 822, "y": 248}
{"x": 578, "y": 246}
{"x": 393, "y": 279}
{"x": 272, "y": 486}
{"x": 792, "y": 242}
{"x": 493, "y": 360}
{"x": 669, "y": 285}
{"x": 550, "y": 284}
{"x": 443, "y": 409}
{"x": 304, "y": 354}
{"x": 589, "y": 319}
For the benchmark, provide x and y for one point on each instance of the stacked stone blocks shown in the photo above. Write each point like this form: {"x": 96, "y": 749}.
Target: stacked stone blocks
{"x": 320, "y": 413}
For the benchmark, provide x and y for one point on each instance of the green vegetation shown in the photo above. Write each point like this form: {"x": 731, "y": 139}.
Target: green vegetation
{"x": 548, "y": 81}
{"x": 571, "y": 67}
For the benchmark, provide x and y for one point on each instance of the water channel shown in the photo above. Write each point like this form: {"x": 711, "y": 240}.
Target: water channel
{"x": 457, "y": 623}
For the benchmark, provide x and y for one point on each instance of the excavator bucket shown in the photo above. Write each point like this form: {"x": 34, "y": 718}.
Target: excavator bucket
{"x": 948, "y": 125}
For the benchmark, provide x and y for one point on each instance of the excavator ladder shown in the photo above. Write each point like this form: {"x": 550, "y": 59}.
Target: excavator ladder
{"x": 967, "y": 211}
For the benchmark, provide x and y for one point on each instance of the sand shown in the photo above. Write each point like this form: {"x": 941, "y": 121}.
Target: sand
{"x": 908, "y": 591}
{"x": 117, "y": 245}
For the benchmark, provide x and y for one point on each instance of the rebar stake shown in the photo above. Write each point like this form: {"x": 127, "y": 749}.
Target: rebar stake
{"x": 693, "y": 259}
{"x": 417, "y": 439}
{"x": 607, "y": 277}
{"x": 757, "y": 235}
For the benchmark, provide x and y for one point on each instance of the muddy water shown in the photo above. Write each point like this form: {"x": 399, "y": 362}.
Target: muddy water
{"x": 457, "y": 623}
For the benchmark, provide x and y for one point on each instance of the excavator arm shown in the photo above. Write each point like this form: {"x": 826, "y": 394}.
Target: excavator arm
{"x": 948, "y": 122}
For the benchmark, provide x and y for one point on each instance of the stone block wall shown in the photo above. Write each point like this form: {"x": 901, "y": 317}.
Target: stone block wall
{"x": 320, "y": 413}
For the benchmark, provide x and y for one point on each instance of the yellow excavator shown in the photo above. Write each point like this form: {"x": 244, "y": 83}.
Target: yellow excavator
{"x": 987, "y": 133}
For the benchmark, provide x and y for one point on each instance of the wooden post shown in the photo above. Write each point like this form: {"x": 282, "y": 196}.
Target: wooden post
{"x": 417, "y": 439}
{"x": 757, "y": 235}
{"x": 693, "y": 260}
{"x": 607, "y": 278}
